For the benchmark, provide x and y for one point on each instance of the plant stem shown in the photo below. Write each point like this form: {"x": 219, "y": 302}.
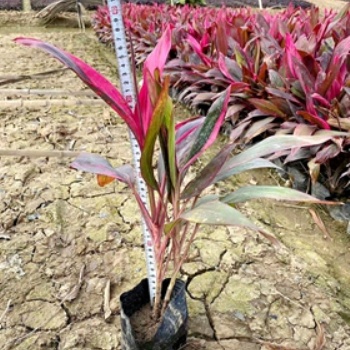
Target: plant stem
{"x": 176, "y": 271}
{"x": 144, "y": 212}
{"x": 169, "y": 292}
{"x": 176, "y": 231}
{"x": 157, "y": 297}
{"x": 187, "y": 225}
{"x": 152, "y": 201}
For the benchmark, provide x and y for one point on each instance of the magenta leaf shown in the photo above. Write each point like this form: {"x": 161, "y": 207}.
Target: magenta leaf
{"x": 314, "y": 119}
{"x": 152, "y": 71}
{"x": 198, "y": 50}
{"x": 187, "y": 127}
{"x": 291, "y": 54}
{"x": 280, "y": 93}
{"x": 306, "y": 80}
{"x": 207, "y": 134}
{"x": 339, "y": 55}
{"x": 96, "y": 164}
{"x": 323, "y": 101}
{"x": 185, "y": 136}
{"x": 247, "y": 193}
{"x": 157, "y": 58}
{"x": 223, "y": 68}
{"x": 97, "y": 82}
{"x": 328, "y": 152}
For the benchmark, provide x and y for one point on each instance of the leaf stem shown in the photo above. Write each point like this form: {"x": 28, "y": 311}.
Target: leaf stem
{"x": 177, "y": 269}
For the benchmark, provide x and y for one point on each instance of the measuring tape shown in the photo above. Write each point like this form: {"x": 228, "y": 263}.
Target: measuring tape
{"x": 128, "y": 90}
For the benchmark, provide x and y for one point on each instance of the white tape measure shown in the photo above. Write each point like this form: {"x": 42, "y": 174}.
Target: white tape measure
{"x": 128, "y": 90}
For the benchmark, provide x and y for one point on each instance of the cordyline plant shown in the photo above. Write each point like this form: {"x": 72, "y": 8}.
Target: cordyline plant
{"x": 177, "y": 205}
{"x": 288, "y": 73}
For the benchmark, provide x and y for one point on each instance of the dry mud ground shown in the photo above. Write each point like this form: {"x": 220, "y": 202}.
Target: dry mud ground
{"x": 68, "y": 248}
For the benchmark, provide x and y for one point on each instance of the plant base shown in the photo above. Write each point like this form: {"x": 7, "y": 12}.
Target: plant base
{"x": 171, "y": 333}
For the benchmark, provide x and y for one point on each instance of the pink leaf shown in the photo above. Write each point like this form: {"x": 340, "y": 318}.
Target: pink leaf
{"x": 96, "y": 164}
{"x": 154, "y": 62}
{"x": 97, "y": 82}
{"x": 198, "y": 50}
{"x": 314, "y": 119}
{"x": 159, "y": 56}
{"x": 321, "y": 100}
{"x": 208, "y": 133}
{"x": 223, "y": 68}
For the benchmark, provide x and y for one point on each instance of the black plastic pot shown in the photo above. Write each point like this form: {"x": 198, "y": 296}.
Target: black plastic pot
{"x": 172, "y": 331}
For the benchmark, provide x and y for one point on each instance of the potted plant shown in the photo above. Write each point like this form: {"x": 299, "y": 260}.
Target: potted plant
{"x": 178, "y": 204}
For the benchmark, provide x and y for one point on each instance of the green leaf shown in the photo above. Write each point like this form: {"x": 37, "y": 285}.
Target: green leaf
{"x": 247, "y": 193}
{"x": 207, "y": 174}
{"x": 259, "y": 127}
{"x": 210, "y": 128}
{"x": 214, "y": 212}
{"x": 217, "y": 213}
{"x": 207, "y": 198}
{"x": 169, "y": 122}
{"x": 276, "y": 79}
{"x": 240, "y": 59}
{"x": 161, "y": 111}
{"x": 170, "y": 225}
{"x": 272, "y": 145}
{"x": 254, "y": 164}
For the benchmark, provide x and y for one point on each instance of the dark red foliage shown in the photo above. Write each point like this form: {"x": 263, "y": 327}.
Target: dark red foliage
{"x": 255, "y": 3}
{"x": 40, "y": 4}
{"x": 288, "y": 71}
{"x": 236, "y": 3}
{"x": 11, "y": 5}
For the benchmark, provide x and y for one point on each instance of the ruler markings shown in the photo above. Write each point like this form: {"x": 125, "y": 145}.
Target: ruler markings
{"x": 128, "y": 90}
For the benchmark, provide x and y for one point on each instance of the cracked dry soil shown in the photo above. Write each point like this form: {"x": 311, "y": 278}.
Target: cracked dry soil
{"x": 69, "y": 248}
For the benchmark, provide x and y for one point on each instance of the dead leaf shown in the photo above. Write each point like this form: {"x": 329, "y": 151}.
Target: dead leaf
{"x": 107, "y": 297}
{"x": 74, "y": 292}
{"x": 104, "y": 180}
{"x": 271, "y": 346}
{"x": 320, "y": 224}
{"x": 320, "y": 337}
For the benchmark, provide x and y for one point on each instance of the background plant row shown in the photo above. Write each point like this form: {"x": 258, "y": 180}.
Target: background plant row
{"x": 88, "y": 4}
{"x": 11, "y": 5}
{"x": 288, "y": 71}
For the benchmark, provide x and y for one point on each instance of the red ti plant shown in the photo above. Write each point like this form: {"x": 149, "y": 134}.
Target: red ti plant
{"x": 178, "y": 205}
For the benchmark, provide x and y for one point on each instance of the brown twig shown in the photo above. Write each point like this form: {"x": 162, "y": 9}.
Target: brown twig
{"x": 9, "y": 79}
{"x": 7, "y": 309}
{"x": 51, "y": 92}
{"x": 49, "y": 103}
{"x": 106, "y": 303}
{"x": 37, "y": 154}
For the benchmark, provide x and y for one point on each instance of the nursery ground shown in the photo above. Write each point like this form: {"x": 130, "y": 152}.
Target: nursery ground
{"x": 69, "y": 248}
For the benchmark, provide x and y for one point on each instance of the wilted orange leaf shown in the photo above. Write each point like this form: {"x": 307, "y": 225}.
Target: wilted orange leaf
{"x": 104, "y": 180}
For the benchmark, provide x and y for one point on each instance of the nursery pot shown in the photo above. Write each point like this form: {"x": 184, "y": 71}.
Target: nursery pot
{"x": 171, "y": 333}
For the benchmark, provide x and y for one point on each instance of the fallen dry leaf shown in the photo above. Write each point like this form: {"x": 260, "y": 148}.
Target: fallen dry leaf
{"x": 320, "y": 337}
{"x": 320, "y": 224}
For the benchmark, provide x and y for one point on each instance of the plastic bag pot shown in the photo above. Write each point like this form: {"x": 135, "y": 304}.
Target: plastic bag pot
{"x": 172, "y": 331}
